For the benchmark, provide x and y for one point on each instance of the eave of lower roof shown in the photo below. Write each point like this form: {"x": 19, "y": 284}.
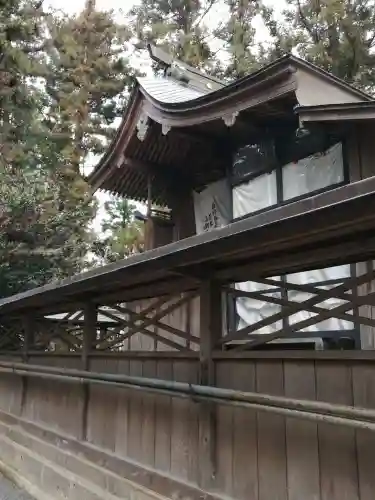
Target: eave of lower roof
{"x": 96, "y": 177}
{"x": 337, "y": 112}
{"x": 330, "y": 218}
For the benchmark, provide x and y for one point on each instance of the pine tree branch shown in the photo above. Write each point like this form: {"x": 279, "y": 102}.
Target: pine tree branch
{"x": 204, "y": 13}
{"x": 371, "y": 41}
{"x": 306, "y": 24}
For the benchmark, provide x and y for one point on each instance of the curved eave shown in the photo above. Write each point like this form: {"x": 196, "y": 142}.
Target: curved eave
{"x": 222, "y": 103}
{"x": 211, "y": 106}
{"x": 228, "y": 94}
{"x": 125, "y": 131}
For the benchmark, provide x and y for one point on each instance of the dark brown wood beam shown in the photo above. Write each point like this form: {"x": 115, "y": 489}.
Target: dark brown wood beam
{"x": 89, "y": 332}
{"x": 29, "y": 325}
{"x": 211, "y": 329}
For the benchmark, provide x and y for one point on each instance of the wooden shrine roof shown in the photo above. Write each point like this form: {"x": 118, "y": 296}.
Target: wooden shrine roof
{"x": 194, "y": 121}
{"x": 327, "y": 229}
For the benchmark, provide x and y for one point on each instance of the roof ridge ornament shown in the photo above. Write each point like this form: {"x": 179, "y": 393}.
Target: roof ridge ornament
{"x": 182, "y": 71}
{"x": 165, "y": 128}
{"x": 230, "y": 118}
{"x": 143, "y": 125}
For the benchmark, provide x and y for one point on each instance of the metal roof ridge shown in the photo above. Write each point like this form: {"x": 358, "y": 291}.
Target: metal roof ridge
{"x": 160, "y": 56}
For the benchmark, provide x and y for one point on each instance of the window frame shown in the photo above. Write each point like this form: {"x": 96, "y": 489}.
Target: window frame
{"x": 280, "y": 185}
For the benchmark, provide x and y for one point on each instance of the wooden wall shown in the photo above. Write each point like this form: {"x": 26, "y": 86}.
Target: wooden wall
{"x": 258, "y": 456}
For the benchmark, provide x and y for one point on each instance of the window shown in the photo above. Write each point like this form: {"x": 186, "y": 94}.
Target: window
{"x": 253, "y": 159}
{"x": 265, "y": 175}
{"x": 313, "y": 173}
{"x": 254, "y": 195}
{"x": 254, "y": 178}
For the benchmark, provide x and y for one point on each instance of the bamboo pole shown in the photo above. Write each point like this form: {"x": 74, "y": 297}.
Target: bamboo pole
{"x": 360, "y": 418}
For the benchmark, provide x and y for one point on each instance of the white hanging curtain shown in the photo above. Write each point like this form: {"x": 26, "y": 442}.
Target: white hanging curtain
{"x": 212, "y": 206}
{"x": 254, "y": 195}
{"x": 251, "y": 311}
{"x": 314, "y": 172}
{"x": 338, "y": 274}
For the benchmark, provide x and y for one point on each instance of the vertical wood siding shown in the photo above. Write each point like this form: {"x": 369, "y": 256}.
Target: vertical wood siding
{"x": 258, "y": 455}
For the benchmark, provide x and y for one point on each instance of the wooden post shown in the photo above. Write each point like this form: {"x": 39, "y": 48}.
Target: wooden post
{"x": 149, "y": 196}
{"x": 211, "y": 327}
{"x": 28, "y": 323}
{"x": 89, "y": 332}
{"x": 88, "y": 340}
{"x": 29, "y": 335}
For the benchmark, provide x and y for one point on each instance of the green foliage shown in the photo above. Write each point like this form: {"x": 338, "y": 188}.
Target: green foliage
{"x": 88, "y": 77}
{"x": 123, "y": 234}
{"x": 37, "y": 240}
{"x": 20, "y": 58}
{"x": 337, "y": 35}
{"x": 62, "y": 84}
{"x": 177, "y": 26}
{"x": 238, "y": 34}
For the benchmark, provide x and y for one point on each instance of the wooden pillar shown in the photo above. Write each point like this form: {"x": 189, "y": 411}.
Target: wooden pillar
{"x": 182, "y": 204}
{"x": 28, "y": 323}
{"x": 29, "y": 335}
{"x": 88, "y": 342}
{"x": 89, "y": 332}
{"x": 211, "y": 327}
{"x": 360, "y": 150}
{"x": 149, "y": 196}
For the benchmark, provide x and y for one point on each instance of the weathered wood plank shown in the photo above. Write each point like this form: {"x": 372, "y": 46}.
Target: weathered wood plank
{"x": 148, "y": 417}
{"x": 102, "y": 408}
{"x": 163, "y": 416}
{"x": 224, "y": 424}
{"x": 245, "y": 446}
{"x": 122, "y": 414}
{"x": 271, "y": 435}
{"x": 181, "y": 431}
{"x": 337, "y": 447}
{"x": 301, "y": 437}
{"x": 210, "y": 325}
{"x": 193, "y": 461}
{"x": 135, "y": 415}
{"x": 364, "y": 396}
